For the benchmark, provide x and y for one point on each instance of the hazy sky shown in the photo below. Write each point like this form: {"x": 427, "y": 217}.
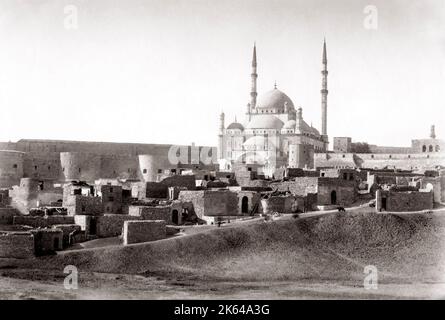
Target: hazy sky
{"x": 162, "y": 71}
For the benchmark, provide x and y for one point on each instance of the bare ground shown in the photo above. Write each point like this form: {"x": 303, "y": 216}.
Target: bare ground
{"x": 318, "y": 257}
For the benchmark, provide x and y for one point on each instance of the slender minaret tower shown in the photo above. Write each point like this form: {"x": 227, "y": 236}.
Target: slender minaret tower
{"x": 221, "y": 139}
{"x": 254, "y": 76}
{"x": 324, "y": 97}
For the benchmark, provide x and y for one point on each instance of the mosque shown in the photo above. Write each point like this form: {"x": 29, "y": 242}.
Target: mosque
{"x": 274, "y": 133}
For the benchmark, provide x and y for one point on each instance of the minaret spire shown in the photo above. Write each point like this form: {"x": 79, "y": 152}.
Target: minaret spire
{"x": 324, "y": 96}
{"x": 254, "y": 76}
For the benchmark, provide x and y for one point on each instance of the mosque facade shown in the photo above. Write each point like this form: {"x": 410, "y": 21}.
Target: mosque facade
{"x": 274, "y": 133}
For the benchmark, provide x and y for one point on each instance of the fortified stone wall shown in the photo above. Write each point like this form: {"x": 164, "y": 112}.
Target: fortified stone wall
{"x": 42, "y": 165}
{"x": 380, "y": 161}
{"x": 11, "y": 168}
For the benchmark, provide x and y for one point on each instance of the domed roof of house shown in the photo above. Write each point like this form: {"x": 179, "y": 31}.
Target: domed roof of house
{"x": 235, "y": 126}
{"x": 290, "y": 124}
{"x": 274, "y": 99}
{"x": 266, "y": 121}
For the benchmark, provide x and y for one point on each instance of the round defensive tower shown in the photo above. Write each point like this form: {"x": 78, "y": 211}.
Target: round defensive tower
{"x": 148, "y": 166}
{"x": 80, "y": 166}
{"x": 11, "y": 168}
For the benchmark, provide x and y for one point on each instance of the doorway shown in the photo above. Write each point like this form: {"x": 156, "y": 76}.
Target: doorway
{"x": 384, "y": 203}
{"x": 175, "y": 216}
{"x": 245, "y": 205}
{"x": 334, "y": 197}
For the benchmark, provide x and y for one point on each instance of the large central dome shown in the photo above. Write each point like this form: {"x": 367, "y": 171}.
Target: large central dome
{"x": 274, "y": 99}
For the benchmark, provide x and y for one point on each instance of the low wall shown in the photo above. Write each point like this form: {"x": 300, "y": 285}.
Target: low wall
{"x": 18, "y": 245}
{"x": 143, "y": 231}
{"x": 152, "y": 213}
{"x": 47, "y": 240}
{"x": 7, "y": 215}
{"x": 42, "y": 222}
{"x": 283, "y": 204}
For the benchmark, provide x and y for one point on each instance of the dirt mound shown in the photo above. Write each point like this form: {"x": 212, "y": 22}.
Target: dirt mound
{"x": 336, "y": 246}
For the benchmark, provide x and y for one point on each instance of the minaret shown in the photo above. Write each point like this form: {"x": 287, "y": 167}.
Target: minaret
{"x": 324, "y": 97}
{"x": 221, "y": 138}
{"x": 433, "y": 132}
{"x": 254, "y": 76}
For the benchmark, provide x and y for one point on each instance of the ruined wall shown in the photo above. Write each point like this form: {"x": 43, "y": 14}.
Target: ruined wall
{"x": 42, "y": 222}
{"x": 110, "y": 225}
{"x": 5, "y": 200}
{"x": 47, "y": 241}
{"x": 85, "y": 205}
{"x": 33, "y": 192}
{"x": 111, "y": 198}
{"x": 80, "y": 166}
{"x": 68, "y": 231}
{"x": 283, "y": 204}
{"x": 300, "y": 186}
{"x": 143, "y": 231}
{"x": 18, "y": 245}
{"x": 152, "y": 213}
{"x": 212, "y": 202}
{"x": 407, "y": 201}
{"x": 11, "y": 168}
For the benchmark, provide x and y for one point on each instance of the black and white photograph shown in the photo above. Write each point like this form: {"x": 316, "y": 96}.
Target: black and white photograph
{"x": 204, "y": 150}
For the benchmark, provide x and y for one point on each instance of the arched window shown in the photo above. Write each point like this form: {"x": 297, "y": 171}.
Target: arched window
{"x": 430, "y": 149}
{"x": 437, "y": 148}
{"x": 424, "y": 148}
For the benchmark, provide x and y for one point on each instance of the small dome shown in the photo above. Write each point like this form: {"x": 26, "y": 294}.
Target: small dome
{"x": 274, "y": 99}
{"x": 265, "y": 122}
{"x": 308, "y": 129}
{"x": 235, "y": 126}
{"x": 290, "y": 124}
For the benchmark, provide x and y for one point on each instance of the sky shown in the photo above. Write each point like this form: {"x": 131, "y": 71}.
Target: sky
{"x": 161, "y": 71}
